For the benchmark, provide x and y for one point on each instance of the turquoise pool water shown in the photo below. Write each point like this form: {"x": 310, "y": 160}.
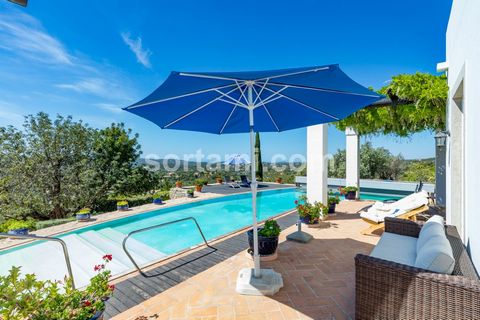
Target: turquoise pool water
{"x": 216, "y": 217}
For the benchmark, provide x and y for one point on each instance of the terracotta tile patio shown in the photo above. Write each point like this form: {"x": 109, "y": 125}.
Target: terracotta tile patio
{"x": 318, "y": 280}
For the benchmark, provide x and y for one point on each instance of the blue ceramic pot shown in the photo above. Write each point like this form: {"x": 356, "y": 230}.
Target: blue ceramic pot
{"x": 18, "y": 232}
{"x": 306, "y": 220}
{"x": 331, "y": 208}
{"x": 266, "y": 245}
{"x": 82, "y": 216}
{"x": 122, "y": 208}
{"x": 351, "y": 195}
{"x": 97, "y": 316}
{"x": 157, "y": 201}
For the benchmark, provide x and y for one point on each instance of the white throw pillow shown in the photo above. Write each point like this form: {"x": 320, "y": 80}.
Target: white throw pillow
{"x": 433, "y": 227}
{"x": 436, "y": 255}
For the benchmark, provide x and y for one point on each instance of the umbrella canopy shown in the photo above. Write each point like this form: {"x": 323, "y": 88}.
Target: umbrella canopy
{"x": 217, "y": 102}
{"x": 257, "y": 101}
{"x": 236, "y": 160}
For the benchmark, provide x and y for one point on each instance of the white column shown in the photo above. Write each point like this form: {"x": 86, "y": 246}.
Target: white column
{"x": 353, "y": 158}
{"x": 317, "y": 170}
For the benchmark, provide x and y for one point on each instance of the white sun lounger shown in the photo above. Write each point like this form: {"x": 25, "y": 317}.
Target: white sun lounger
{"x": 405, "y": 208}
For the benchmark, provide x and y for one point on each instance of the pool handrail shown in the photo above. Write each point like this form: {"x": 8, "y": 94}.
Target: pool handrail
{"x": 62, "y": 243}
{"x": 154, "y": 227}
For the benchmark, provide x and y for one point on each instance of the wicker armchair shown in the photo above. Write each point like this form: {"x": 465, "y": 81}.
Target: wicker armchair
{"x": 389, "y": 290}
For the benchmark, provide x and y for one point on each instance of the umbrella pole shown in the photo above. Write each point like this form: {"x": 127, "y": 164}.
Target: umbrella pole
{"x": 253, "y": 186}
{"x": 256, "y": 281}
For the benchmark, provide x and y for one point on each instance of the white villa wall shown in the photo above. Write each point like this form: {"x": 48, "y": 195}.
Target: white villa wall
{"x": 463, "y": 172}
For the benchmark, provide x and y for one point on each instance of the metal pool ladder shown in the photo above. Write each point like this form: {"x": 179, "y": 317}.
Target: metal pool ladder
{"x": 62, "y": 243}
{"x": 155, "y": 227}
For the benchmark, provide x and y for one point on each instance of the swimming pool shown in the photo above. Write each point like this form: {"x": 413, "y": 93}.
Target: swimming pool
{"x": 86, "y": 246}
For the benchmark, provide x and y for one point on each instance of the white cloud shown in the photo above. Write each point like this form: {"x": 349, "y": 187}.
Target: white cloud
{"x": 143, "y": 55}
{"x": 92, "y": 85}
{"x": 25, "y": 36}
{"x": 38, "y": 72}
{"x": 113, "y": 108}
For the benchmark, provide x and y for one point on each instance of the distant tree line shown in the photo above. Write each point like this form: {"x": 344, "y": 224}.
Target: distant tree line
{"x": 379, "y": 163}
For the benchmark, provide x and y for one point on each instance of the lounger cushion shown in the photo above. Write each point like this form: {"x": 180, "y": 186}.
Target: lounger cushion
{"x": 436, "y": 255}
{"x": 433, "y": 227}
{"x": 379, "y": 216}
{"x": 396, "y": 248}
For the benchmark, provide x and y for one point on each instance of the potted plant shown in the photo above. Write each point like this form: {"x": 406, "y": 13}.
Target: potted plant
{"x": 157, "y": 198}
{"x": 199, "y": 185}
{"x": 310, "y": 213}
{"x": 267, "y": 238}
{"x": 122, "y": 205}
{"x": 333, "y": 200}
{"x": 178, "y": 184}
{"x": 18, "y": 227}
{"x": 219, "y": 180}
{"x": 190, "y": 193}
{"x": 205, "y": 182}
{"x": 83, "y": 214}
{"x": 26, "y": 297}
{"x": 350, "y": 192}
{"x": 279, "y": 180}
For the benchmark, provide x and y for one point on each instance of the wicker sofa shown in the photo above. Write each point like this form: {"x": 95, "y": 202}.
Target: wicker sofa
{"x": 390, "y": 290}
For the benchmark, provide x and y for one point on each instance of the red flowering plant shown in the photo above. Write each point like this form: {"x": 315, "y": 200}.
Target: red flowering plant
{"x": 310, "y": 211}
{"x": 26, "y": 297}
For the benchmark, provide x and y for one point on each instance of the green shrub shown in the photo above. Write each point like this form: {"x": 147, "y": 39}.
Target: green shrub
{"x": 53, "y": 222}
{"x": 84, "y": 211}
{"x": 122, "y": 203}
{"x": 107, "y": 205}
{"x": 26, "y": 297}
{"x": 164, "y": 195}
{"x": 270, "y": 229}
{"x": 333, "y": 200}
{"x": 13, "y": 224}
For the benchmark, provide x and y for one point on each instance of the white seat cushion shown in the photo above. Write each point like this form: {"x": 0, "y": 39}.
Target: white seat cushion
{"x": 436, "y": 255}
{"x": 396, "y": 248}
{"x": 433, "y": 227}
{"x": 379, "y": 216}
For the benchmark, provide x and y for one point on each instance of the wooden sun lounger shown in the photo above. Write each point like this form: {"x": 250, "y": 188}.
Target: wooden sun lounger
{"x": 376, "y": 228}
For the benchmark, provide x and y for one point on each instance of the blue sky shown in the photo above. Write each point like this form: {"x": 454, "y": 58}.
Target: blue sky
{"x": 90, "y": 58}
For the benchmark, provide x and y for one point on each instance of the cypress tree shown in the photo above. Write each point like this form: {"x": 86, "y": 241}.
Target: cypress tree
{"x": 258, "y": 158}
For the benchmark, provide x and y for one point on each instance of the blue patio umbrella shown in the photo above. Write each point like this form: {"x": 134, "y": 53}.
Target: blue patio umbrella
{"x": 236, "y": 160}
{"x": 257, "y": 101}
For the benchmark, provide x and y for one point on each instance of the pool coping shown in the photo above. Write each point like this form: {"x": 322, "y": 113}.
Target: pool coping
{"x": 146, "y": 208}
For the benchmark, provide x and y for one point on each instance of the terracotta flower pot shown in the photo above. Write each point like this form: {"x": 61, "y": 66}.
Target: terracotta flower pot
{"x": 219, "y": 180}
{"x": 198, "y": 188}
{"x": 178, "y": 184}
{"x": 279, "y": 180}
